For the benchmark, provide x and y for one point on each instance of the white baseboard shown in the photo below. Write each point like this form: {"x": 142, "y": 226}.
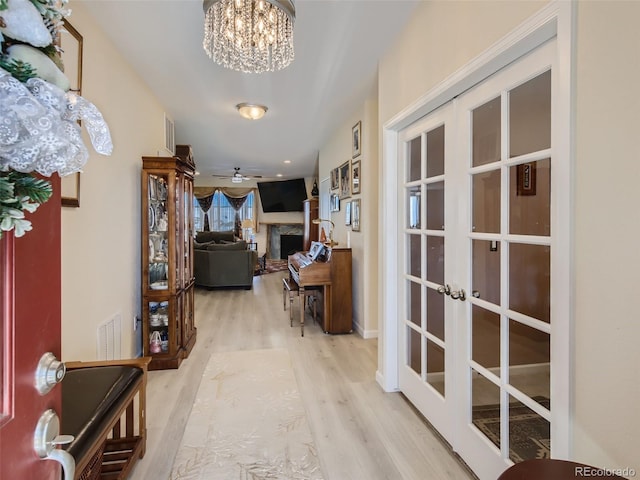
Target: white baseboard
{"x": 366, "y": 334}
{"x": 381, "y": 381}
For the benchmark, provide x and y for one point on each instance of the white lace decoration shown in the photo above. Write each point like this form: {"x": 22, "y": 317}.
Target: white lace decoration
{"x": 38, "y": 128}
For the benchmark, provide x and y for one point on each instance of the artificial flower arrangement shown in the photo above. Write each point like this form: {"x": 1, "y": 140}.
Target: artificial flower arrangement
{"x": 39, "y": 129}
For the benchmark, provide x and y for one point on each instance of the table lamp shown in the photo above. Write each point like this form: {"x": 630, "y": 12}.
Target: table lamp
{"x": 318, "y": 221}
{"x": 247, "y": 226}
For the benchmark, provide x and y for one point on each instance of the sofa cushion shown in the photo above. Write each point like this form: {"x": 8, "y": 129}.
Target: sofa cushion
{"x": 205, "y": 237}
{"x": 242, "y": 245}
{"x": 202, "y": 246}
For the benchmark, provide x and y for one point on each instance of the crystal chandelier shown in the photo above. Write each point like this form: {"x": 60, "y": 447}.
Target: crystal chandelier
{"x": 251, "y": 36}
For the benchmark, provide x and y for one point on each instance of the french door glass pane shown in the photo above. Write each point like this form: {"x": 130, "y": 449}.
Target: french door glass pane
{"x": 415, "y": 256}
{"x": 486, "y": 270}
{"x": 485, "y": 334}
{"x": 486, "y": 133}
{"x": 435, "y": 206}
{"x": 415, "y": 303}
{"x": 414, "y": 340}
{"x": 529, "y": 433}
{"x": 486, "y": 202}
{"x": 435, "y": 259}
{"x": 529, "y": 360}
{"x": 485, "y": 411}
{"x": 529, "y": 280}
{"x": 435, "y": 313}
{"x": 435, "y": 152}
{"x": 530, "y": 116}
{"x": 435, "y": 366}
{"x": 414, "y": 170}
{"x": 530, "y": 198}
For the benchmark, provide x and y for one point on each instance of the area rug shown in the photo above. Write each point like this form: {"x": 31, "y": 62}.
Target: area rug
{"x": 248, "y": 422}
{"x": 529, "y": 435}
{"x": 273, "y": 265}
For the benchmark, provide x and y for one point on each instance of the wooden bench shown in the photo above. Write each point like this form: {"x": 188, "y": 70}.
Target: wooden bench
{"x": 290, "y": 288}
{"x": 103, "y": 407}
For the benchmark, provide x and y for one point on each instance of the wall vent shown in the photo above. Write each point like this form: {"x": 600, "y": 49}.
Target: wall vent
{"x": 169, "y": 135}
{"x": 109, "y": 338}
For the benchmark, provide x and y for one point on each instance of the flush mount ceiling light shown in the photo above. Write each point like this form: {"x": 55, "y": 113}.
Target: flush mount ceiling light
{"x": 250, "y": 36}
{"x": 251, "y": 111}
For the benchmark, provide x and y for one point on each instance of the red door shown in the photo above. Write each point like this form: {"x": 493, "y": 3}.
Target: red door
{"x": 30, "y": 298}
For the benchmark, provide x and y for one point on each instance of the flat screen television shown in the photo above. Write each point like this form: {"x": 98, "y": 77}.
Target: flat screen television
{"x": 283, "y": 195}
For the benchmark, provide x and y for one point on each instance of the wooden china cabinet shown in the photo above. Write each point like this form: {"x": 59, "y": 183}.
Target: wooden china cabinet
{"x": 168, "y": 323}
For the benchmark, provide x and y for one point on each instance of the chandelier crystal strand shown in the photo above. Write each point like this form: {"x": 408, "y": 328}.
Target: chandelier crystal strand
{"x": 250, "y": 36}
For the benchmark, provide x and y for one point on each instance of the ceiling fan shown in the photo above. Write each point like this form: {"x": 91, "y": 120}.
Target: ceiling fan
{"x": 237, "y": 177}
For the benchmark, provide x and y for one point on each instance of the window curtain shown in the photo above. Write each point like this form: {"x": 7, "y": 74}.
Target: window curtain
{"x": 236, "y": 199}
{"x": 204, "y": 196}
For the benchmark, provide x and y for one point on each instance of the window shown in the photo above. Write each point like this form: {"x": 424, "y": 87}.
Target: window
{"x": 221, "y": 214}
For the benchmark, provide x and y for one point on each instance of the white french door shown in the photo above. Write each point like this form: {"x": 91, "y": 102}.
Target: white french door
{"x": 426, "y": 373}
{"x": 476, "y": 310}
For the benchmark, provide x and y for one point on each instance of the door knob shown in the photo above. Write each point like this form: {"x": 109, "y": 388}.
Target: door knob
{"x": 47, "y": 437}
{"x": 50, "y": 371}
{"x": 446, "y": 289}
{"x": 459, "y": 295}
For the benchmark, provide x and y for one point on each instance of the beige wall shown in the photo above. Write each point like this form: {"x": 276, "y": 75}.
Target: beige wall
{"x": 364, "y": 243}
{"x": 101, "y": 239}
{"x": 441, "y": 38}
{"x": 607, "y": 323}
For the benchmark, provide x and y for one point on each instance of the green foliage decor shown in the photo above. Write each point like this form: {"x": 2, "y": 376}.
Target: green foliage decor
{"x": 20, "y": 193}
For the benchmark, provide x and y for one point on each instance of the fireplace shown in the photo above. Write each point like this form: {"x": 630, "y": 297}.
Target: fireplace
{"x": 290, "y": 233}
{"x": 290, "y": 244}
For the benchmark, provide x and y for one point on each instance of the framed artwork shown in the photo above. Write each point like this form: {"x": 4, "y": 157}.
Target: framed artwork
{"x": 345, "y": 179}
{"x": 526, "y": 179}
{"x": 355, "y": 215}
{"x": 347, "y": 213}
{"x": 315, "y": 250}
{"x": 335, "y": 179}
{"x": 355, "y": 177}
{"x": 356, "y": 140}
{"x": 335, "y": 203}
{"x": 70, "y": 42}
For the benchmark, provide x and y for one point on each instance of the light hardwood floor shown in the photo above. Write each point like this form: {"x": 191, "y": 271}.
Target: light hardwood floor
{"x": 360, "y": 431}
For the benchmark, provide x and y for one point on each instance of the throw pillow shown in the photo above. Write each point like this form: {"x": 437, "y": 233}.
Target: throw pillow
{"x": 201, "y": 245}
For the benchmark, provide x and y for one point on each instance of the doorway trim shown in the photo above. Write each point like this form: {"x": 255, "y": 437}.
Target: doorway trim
{"x": 556, "y": 20}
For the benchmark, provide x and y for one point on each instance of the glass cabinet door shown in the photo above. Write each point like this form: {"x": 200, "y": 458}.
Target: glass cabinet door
{"x": 188, "y": 231}
{"x": 158, "y": 228}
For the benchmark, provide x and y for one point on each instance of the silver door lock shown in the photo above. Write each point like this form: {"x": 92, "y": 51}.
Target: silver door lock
{"x": 50, "y": 371}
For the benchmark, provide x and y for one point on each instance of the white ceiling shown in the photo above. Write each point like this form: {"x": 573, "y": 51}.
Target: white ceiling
{"x": 337, "y": 47}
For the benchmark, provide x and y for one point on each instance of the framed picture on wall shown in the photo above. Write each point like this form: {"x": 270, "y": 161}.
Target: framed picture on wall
{"x": 335, "y": 203}
{"x": 355, "y": 215}
{"x": 70, "y": 42}
{"x": 356, "y": 140}
{"x": 335, "y": 179}
{"x": 355, "y": 177}
{"x": 347, "y": 213}
{"x": 345, "y": 179}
